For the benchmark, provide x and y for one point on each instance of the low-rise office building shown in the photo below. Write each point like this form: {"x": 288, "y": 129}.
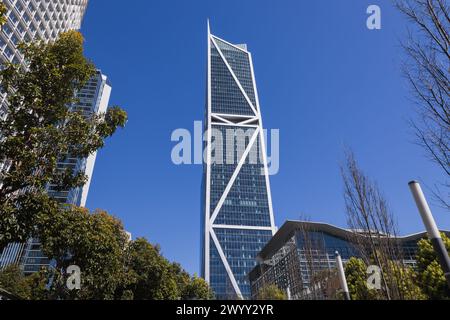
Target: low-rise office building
{"x": 300, "y": 247}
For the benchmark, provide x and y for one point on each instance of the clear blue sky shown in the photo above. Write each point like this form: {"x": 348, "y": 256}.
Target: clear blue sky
{"x": 324, "y": 80}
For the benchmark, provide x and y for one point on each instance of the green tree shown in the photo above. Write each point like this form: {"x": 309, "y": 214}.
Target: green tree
{"x": 12, "y": 280}
{"x": 429, "y": 272}
{"x": 271, "y": 292}
{"x": 111, "y": 266}
{"x": 95, "y": 242}
{"x": 404, "y": 278}
{"x": 40, "y": 129}
{"x": 356, "y": 274}
{"x": 197, "y": 289}
{"x": 3, "y": 11}
{"x": 150, "y": 275}
{"x": 32, "y": 287}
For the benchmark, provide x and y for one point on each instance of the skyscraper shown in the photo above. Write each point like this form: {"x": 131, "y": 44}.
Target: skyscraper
{"x": 36, "y": 20}
{"x": 92, "y": 99}
{"x": 237, "y": 215}
{"x": 29, "y": 20}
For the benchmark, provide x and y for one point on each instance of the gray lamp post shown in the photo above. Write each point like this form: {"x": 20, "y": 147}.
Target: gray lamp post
{"x": 342, "y": 278}
{"x": 432, "y": 229}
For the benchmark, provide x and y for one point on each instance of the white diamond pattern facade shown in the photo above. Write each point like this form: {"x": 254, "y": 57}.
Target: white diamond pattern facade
{"x": 237, "y": 207}
{"x": 36, "y": 20}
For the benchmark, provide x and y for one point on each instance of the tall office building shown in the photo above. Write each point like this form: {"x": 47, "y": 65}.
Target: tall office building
{"x": 92, "y": 99}
{"x": 237, "y": 216}
{"x": 44, "y": 20}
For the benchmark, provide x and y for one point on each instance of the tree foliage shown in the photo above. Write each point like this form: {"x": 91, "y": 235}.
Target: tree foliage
{"x": 3, "y": 11}
{"x": 271, "y": 292}
{"x": 150, "y": 276}
{"x": 405, "y": 280}
{"x": 197, "y": 289}
{"x": 111, "y": 266}
{"x": 356, "y": 274}
{"x": 95, "y": 242}
{"x": 430, "y": 274}
{"x": 32, "y": 287}
{"x": 41, "y": 129}
{"x": 373, "y": 224}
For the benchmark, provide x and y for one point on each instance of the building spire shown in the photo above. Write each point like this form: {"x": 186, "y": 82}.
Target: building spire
{"x": 209, "y": 29}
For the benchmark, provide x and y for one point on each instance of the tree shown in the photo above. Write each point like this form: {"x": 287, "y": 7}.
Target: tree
{"x": 369, "y": 216}
{"x": 95, "y": 242}
{"x": 3, "y": 11}
{"x": 271, "y": 292}
{"x": 111, "y": 266}
{"x": 41, "y": 129}
{"x": 374, "y": 230}
{"x": 406, "y": 280}
{"x": 429, "y": 272}
{"x": 151, "y": 275}
{"x": 356, "y": 274}
{"x": 426, "y": 69}
{"x": 32, "y": 287}
{"x": 197, "y": 289}
{"x": 12, "y": 280}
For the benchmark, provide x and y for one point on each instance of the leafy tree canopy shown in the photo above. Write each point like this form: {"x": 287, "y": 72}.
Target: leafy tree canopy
{"x": 111, "y": 266}
{"x": 430, "y": 274}
{"x": 271, "y": 292}
{"x": 41, "y": 129}
{"x": 403, "y": 278}
{"x": 3, "y": 11}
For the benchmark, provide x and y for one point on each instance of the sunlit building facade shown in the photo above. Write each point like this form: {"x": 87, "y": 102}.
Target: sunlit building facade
{"x": 28, "y": 20}
{"x": 237, "y": 216}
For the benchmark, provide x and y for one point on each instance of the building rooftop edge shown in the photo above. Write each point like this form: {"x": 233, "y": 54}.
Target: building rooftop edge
{"x": 288, "y": 228}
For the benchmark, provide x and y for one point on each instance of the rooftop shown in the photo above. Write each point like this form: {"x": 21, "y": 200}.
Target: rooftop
{"x": 288, "y": 229}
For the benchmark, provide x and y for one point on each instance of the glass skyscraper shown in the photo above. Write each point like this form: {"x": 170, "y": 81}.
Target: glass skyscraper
{"x": 237, "y": 215}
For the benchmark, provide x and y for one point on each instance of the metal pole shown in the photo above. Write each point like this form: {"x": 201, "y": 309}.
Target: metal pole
{"x": 342, "y": 278}
{"x": 288, "y": 292}
{"x": 432, "y": 229}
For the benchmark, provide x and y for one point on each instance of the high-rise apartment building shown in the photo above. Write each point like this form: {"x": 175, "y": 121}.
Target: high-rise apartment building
{"x": 237, "y": 216}
{"x": 44, "y": 20}
{"x": 92, "y": 99}
{"x": 36, "y": 20}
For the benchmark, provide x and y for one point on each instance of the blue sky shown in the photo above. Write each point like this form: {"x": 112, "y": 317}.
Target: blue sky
{"x": 324, "y": 80}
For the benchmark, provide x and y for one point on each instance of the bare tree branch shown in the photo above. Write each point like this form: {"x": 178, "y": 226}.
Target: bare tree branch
{"x": 427, "y": 70}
